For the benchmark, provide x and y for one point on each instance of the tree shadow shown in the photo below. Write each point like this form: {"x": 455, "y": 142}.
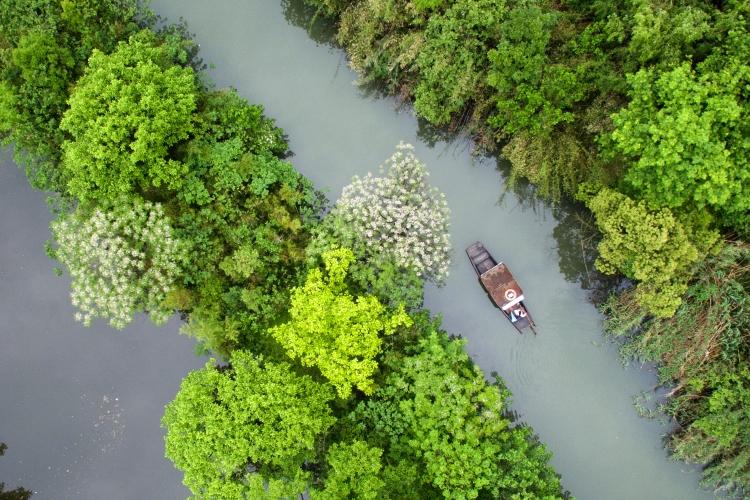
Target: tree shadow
{"x": 577, "y": 239}
{"x": 320, "y": 28}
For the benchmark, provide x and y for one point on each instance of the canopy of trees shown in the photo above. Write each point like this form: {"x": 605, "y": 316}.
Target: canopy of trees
{"x": 436, "y": 411}
{"x": 648, "y": 100}
{"x": 335, "y": 332}
{"x": 353, "y": 472}
{"x": 44, "y": 49}
{"x": 231, "y": 429}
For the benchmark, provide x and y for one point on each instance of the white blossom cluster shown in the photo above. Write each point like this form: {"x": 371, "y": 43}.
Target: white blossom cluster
{"x": 120, "y": 262}
{"x": 401, "y": 214}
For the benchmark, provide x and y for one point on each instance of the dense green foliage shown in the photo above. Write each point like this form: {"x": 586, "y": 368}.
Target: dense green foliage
{"x": 176, "y": 197}
{"x": 231, "y": 429}
{"x": 687, "y": 137}
{"x": 545, "y": 77}
{"x": 245, "y": 214}
{"x": 650, "y": 246}
{"x": 44, "y": 49}
{"x": 127, "y": 110}
{"x": 335, "y": 332}
{"x": 646, "y": 100}
{"x": 353, "y": 472}
{"x": 434, "y": 411}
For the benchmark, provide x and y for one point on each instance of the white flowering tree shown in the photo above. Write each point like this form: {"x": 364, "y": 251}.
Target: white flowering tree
{"x": 401, "y": 215}
{"x": 121, "y": 261}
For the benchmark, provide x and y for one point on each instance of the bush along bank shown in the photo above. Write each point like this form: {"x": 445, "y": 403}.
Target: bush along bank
{"x": 637, "y": 109}
{"x": 175, "y": 196}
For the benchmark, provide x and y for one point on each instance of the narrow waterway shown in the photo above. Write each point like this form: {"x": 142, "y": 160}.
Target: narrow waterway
{"x": 568, "y": 383}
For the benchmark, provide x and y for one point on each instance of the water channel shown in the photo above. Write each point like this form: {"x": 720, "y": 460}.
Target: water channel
{"x": 80, "y": 408}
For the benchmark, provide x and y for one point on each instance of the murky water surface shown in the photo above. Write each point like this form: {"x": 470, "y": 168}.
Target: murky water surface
{"x": 80, "y": 407}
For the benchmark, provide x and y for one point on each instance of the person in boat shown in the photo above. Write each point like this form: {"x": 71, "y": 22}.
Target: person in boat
{"x": 517, "y": 314}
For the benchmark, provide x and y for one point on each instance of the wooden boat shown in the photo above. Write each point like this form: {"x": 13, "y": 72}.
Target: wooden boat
{"x": 501, "y": 286}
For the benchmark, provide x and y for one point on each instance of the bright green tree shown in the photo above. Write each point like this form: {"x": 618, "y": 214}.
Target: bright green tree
{"x": 335, "y": 332}
{"x": 233, "y": 429}
{"x": 685, "y": 134}
{"x": 126, "y": 112}
{"x": 353, "y": 472}
{"x": 650, "y": 246}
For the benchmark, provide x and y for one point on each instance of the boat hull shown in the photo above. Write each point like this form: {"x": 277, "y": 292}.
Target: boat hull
{"x": 501, "y": 286}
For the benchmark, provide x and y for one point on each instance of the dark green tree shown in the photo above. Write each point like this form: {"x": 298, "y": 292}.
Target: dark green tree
{"x": 245, "y": 214}
{"x": 440, "y": 424}
{"x": 16, "y": 493}
{"x": 531, "y": 92}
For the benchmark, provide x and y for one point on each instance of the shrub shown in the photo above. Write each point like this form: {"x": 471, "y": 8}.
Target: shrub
{"x": 651, "y": 246}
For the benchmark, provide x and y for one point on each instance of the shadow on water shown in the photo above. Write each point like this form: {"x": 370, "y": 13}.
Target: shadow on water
{"x": 432, "y": 135}
{"x": 17, "y": 493}
{"x": 320, "y": 28}
{"x": 577, "y": 239}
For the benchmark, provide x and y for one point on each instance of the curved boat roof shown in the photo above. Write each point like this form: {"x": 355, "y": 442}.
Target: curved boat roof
{"x": 502, "y": 287}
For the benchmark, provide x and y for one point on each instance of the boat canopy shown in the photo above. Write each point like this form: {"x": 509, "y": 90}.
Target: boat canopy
{"x": 502, "y": 287}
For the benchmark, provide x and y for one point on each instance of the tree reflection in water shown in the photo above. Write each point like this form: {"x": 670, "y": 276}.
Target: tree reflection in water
{"x": 16, "y": 494}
